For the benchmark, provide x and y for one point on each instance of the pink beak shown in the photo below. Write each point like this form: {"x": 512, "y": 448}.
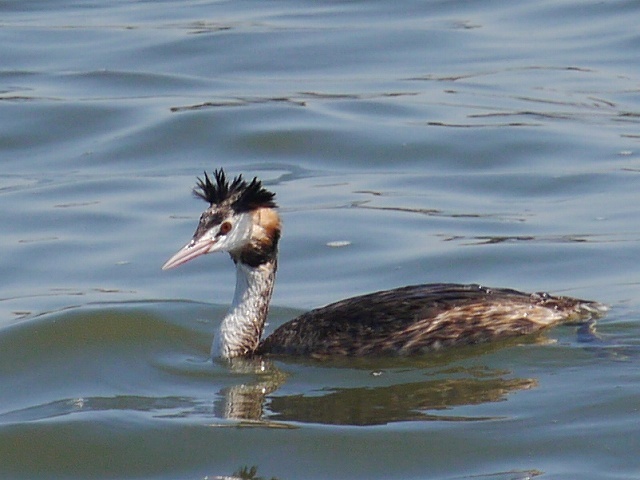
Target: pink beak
{"x": 191, "y": 250}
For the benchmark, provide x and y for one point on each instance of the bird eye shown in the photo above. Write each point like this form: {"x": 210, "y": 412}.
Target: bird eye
{"x": 225, "y": 227}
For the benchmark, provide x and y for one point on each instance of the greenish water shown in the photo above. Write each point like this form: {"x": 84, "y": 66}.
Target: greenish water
{"x": 486, "y": 142}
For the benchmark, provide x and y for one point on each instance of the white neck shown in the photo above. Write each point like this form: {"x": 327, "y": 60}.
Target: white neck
{"x": 240, "y": 331}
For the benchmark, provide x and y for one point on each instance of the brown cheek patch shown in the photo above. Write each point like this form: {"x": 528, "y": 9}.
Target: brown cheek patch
{"x": 264, "y": 239}
{"x": 269, "y": 220}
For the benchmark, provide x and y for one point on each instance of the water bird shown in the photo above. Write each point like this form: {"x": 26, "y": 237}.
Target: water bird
{"x": 242, "y": 219}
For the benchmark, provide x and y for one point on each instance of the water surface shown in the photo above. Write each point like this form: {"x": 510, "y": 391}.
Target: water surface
{"x": 486, "y": 142}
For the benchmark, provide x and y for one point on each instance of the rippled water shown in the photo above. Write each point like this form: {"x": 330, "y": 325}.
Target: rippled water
{"x": 409, "y": 142}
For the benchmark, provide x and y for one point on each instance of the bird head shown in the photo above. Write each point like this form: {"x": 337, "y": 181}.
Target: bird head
{"x": 241, "y": 220}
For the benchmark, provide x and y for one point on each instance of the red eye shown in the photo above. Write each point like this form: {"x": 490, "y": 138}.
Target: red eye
{"x": 225, "y": 227}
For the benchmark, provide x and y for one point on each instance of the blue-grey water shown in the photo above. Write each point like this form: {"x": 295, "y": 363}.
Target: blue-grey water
{"x": 408, "y": 142}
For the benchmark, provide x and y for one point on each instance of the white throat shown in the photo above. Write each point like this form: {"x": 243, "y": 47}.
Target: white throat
{"x": 240, "y": 331}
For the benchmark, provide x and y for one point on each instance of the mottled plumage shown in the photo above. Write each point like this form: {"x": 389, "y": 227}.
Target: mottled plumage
{"x": 242, "y": 220}
{"x": 420, "y": 318}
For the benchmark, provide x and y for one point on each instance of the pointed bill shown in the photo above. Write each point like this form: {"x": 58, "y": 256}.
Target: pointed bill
{"x": 191, "y": 250}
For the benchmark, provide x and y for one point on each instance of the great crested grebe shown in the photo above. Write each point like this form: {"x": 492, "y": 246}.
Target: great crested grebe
{"x": 242, "y": 220}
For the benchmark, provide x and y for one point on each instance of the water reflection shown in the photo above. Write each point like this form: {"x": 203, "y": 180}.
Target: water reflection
{"x": 397, "y": 403}
{"x": 246, "y": 401}
{"x": 363, "y": 405}
{"x": 256, "y": 401}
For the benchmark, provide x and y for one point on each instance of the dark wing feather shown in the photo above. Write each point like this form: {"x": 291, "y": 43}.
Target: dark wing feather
{"x": 419, "y": 318}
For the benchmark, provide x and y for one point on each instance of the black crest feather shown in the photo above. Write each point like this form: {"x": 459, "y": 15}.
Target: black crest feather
{"x": 238, "y": 195}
